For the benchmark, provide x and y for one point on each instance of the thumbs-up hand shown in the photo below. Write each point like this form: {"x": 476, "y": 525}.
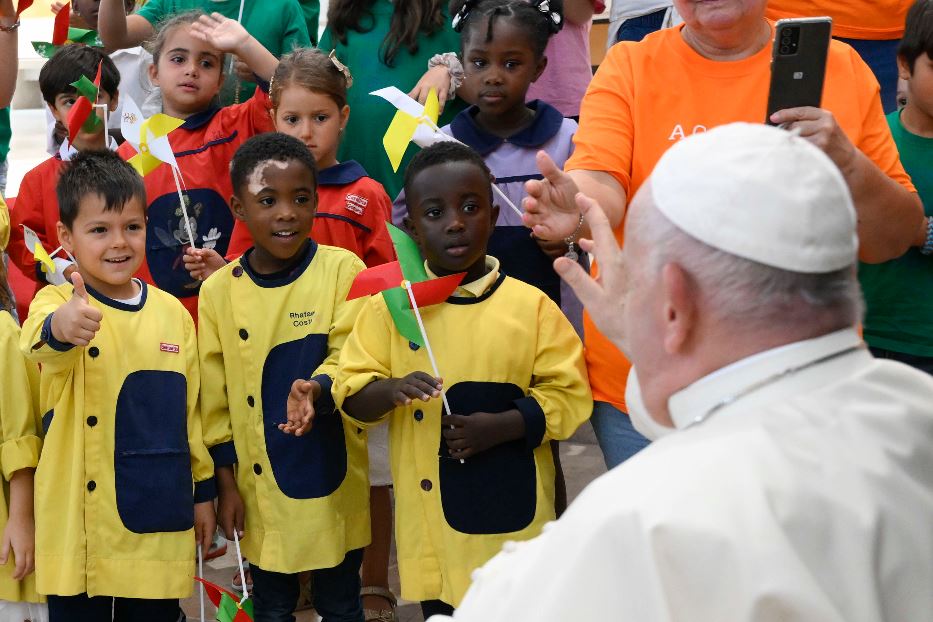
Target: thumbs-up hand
{"x": 76, "y": 321}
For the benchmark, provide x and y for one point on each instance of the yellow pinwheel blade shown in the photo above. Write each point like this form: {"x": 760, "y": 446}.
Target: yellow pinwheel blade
{"x": 431, "y": 106}
{"x": 398, "y": 136}
{"x": 42, "y": 257}
{"x": 161, "y": 124}
{"x": 144, "y": 163}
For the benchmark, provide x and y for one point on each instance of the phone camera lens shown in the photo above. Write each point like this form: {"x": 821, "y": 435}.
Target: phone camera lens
{"x": 785, "y": 49}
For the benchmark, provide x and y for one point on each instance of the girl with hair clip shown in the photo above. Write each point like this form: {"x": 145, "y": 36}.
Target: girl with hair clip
{"x": 386, "y": 43}
{"x": 189, "y": 71}
{"x": 503, "y": 43}
{"x": 309, "y": 101}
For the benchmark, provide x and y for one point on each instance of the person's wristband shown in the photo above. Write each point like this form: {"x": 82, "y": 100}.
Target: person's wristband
{"x": 927, "y": 248}
{"x": 11, "y": 27}
{"x": 454, "y": 69}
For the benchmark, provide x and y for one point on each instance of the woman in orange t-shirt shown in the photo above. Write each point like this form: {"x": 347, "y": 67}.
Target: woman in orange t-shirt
{"x": 873, "y": 27}
{"x": 711, "y": 71}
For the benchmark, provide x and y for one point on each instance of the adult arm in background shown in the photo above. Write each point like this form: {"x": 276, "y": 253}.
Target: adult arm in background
{"x": 890, "y": 217}
{"x": 579, "y": 11}
{"x": 8, "y": 50}
{"x": 117, "y": 29}
{"x": 550, "y": 207}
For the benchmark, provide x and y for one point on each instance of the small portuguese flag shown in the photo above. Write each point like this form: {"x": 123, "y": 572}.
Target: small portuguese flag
{"x": 388, "y": 278}
{"x": 229, "y": 607}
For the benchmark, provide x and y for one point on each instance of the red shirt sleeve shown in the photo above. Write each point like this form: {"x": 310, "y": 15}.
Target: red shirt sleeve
{"x": 36, "y": 206}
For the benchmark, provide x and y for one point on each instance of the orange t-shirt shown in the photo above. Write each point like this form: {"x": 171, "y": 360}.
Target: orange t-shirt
{"x": 852, "y": 19}
{"x": 646, "y": 96}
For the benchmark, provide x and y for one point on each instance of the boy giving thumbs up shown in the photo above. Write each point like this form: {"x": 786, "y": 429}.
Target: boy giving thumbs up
{"x": 123, "y": 463}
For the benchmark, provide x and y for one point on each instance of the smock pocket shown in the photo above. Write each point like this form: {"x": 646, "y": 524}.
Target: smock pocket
{"x": 495, "y": 491}
{"x": 211, "y": 223}
{"x": 312, "y": 465}
{"x": 152, "y": 461}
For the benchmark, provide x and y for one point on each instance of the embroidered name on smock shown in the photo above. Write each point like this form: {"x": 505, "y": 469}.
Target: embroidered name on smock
{"x": 356, "y": 203}
{"x": 302, "y": 318}
{"x": 169, "y": 347}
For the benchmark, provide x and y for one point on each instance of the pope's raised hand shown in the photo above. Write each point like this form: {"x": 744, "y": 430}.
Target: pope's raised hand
{"x": 603, "y": 296}
{"x": 77, "y": 321}
{"x": 299, "y": 407}
{"x": 550, "y": 209}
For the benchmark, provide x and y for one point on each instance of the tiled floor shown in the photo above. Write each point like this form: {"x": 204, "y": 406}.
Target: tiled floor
{"x": 581, "y": 460}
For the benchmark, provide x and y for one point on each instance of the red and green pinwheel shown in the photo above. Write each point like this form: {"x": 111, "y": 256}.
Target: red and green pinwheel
{"x": 389, "y": 279}
{"x": 229, "y": 606}
{"x": 81, "y": 116}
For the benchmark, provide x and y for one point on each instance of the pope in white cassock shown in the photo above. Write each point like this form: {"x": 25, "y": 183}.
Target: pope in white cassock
{"x": 792, "y": 478}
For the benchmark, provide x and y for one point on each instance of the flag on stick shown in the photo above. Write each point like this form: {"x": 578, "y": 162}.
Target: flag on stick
{"x": 418, "y": 124}
{"x": 229, "y": 607}
{"x": 81, "y": 116}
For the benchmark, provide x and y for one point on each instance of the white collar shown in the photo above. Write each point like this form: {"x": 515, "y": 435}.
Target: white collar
{"x": 66, "y": 151}
{"x": 707, "y": 393}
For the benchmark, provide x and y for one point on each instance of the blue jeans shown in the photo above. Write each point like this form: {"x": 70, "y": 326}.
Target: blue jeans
{"x": 336, "y": 592}
{"x": 881, "y": 56}
{"x": 637, "y": 28}
{"x": 618, "y": 439}
{"x": 82, "y": 608}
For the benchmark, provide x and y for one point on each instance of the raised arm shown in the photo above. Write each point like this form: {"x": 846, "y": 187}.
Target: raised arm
{"x": 578, "y": 11}
{"x": 119, "y": 30}
{"x": 229, "y": 36}
{"x": 8, "y": 50}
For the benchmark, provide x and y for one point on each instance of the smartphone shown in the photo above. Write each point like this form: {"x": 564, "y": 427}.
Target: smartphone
{"x": 798, "y": 63}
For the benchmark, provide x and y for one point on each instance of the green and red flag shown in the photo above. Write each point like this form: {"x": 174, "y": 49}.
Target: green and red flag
{"x": 229, "y": 607}
{"x": 62, "y": 33}
{"x": 82, "y": 116}
{"x": 388, "y": 279}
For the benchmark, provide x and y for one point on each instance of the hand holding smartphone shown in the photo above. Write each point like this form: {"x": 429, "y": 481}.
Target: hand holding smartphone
{"x": 798, "y": 63}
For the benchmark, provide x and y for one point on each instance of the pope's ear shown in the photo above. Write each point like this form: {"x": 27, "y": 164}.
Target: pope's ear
{"x": 679, "y": 308}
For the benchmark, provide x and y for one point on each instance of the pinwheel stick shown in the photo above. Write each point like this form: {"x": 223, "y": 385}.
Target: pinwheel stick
{"x": 201, "y": 574}
{"x": 427, "y": 344}
{"x": 176, "y": 174}
{"x": 495, "y": 188}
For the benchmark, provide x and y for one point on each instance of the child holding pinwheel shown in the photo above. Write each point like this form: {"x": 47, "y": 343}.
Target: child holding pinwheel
{"x": 188, "y": 67}
{"x": 511, "y": 367}
{"x": 37, "y": 206}
{"x": 298, "y": 501}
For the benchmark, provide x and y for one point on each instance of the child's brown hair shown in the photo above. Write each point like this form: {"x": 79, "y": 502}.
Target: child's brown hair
{"x": 314, "y": 70}
{"x": 156, "y": 44}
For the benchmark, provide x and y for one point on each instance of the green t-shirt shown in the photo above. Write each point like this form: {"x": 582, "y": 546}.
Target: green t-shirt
{"x": 5, "y": 133}
{"x": 278, "y": 24}
{"x": 899, "y": 293}
{"x": 370, "y": 116}
{"x": 312, "y": 11}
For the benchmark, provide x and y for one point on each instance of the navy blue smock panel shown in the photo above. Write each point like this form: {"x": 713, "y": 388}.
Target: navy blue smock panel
{"x": 494, "y": 491}
{"x": 312, "y": 465}
{"x": 167, "y": 237}
{"x": 47, "y": 421}
{"x": 152, "y": 462}
{"x": 521, "y": 258}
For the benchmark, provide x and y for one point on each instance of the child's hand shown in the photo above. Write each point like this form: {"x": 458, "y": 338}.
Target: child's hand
{"x": 230, "y": 508}
{"x": 76, "y": 321}
{"x": 20, "y": 537}
{"x": 225, "y": 34}
{"x": 299, "y": 407}
{"x": 415, "y": 386}
{"x": 202, "y": 262}
{"x": 57, "y": 6}
{"x": 205, "y": 522}
{"x": 437, "y": 78}
{"x": 468, "y": 436}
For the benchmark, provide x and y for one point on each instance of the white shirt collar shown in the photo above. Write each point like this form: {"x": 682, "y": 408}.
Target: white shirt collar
{"x": 699, "y": 398}
{"x": 66, "y": 151}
